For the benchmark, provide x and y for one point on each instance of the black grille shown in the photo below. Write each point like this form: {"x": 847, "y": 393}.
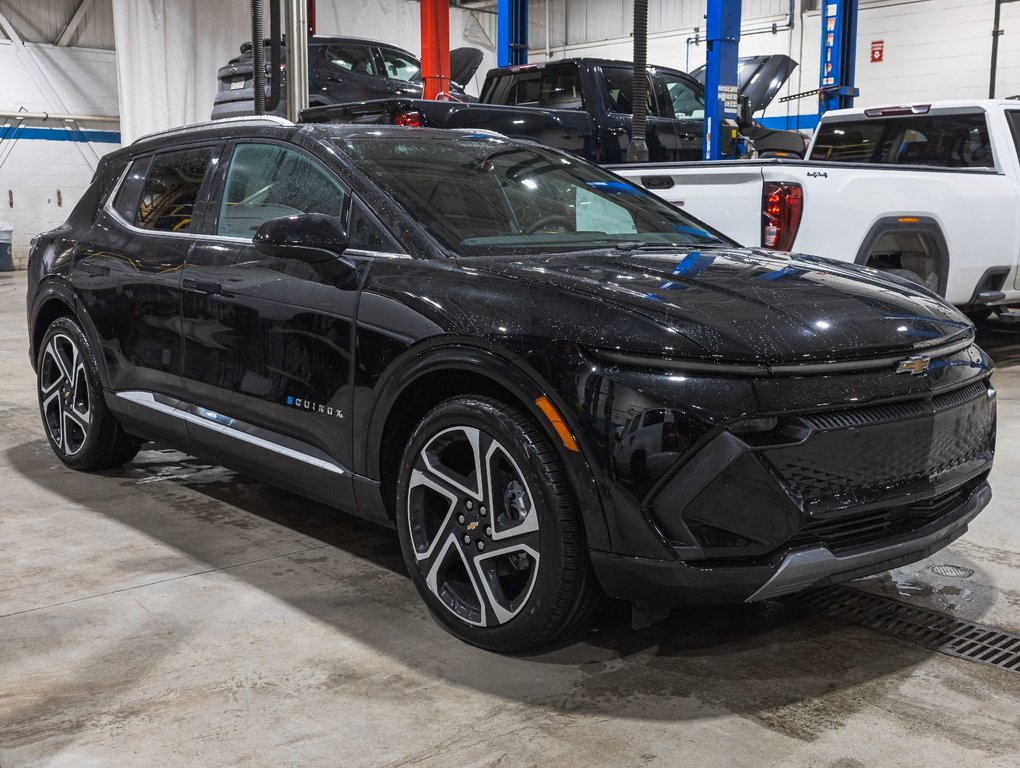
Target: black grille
{"x": 872, "y": 450}
{"x": 856, "y": 417}
{"x": 847, "y": 531}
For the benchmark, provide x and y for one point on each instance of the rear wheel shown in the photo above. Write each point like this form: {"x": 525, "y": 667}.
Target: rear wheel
{"x": 489, "y": 529}
{"x": 80, "y": 428}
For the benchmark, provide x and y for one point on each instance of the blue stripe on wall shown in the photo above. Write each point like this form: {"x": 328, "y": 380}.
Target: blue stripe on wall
{"x": 791, "y": 123}
{"x": 60, "y": 134}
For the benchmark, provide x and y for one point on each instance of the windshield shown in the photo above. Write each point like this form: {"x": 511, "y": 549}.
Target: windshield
{"x": 481, "y": 195}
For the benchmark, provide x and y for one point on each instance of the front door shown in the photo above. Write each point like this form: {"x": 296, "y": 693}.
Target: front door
{"x": 268, "y": 340}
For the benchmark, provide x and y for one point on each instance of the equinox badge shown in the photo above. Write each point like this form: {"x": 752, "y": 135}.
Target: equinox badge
{"x": 914, "y": 365}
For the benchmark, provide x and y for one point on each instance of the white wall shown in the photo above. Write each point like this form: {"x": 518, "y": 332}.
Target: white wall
{"x": 43, "y": 168}
{"x": 934, "y": 49}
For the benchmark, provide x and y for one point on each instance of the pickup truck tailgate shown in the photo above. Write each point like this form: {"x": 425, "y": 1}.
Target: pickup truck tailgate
{"x": 728, "y": 198}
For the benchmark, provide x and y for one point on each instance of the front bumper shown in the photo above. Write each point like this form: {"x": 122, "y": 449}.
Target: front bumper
{"x": 672, "y": 582}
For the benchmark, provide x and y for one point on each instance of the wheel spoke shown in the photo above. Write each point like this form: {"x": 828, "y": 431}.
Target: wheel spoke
{"x": 507, "y": 575}
{"x": 513, "y": 506}
{"x": 455, "y": 456}
{"x": 51, "y": 353}
{"x": 80, "y": 404}
{"x": 425, "y": 545}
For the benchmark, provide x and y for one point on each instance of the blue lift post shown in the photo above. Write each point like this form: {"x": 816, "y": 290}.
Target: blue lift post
{"x": 839, "y": 55}
{"x": 511, "y": 32}
{"x": 722, "y": 36}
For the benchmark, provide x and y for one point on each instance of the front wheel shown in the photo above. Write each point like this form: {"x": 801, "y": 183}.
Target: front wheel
{"x": 81, "y": 430}
{"x": 489, "y": 529}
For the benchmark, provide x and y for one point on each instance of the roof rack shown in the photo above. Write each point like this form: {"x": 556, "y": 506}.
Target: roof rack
{"x": 275, "y": 119}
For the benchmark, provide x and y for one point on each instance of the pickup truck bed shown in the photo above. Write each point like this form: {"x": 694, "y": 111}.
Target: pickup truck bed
{"x": 955, "y": 230}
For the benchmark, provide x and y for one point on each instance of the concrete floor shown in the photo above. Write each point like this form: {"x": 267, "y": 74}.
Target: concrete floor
{"x": 173, "y": 613}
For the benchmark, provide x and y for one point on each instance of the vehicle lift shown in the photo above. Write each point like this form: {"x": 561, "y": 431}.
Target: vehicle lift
{"x": 836, "y": 74}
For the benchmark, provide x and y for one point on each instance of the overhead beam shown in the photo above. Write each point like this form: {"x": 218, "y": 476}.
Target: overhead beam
{"x": 84, "y": 6}
{"x": 10, "y": 31}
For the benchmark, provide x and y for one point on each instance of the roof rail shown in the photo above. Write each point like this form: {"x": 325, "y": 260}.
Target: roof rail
{"x": 275, "y": 119}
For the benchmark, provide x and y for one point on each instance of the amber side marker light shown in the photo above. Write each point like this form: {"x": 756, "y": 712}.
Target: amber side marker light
{"x": 908, "y": 220}
{"x": 561, "y": 428}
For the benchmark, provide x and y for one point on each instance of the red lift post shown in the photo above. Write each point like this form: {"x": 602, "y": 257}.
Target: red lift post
{"x": 435, "y": 48}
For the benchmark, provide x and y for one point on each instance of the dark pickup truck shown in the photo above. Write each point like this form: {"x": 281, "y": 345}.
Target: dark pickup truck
{"x": 583, "y": 106}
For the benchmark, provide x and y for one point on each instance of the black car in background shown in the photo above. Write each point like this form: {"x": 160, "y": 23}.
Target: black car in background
{"x": 584, "y": 106}
{"x": 553, "y": 385}
{"x": 340, "y": 69}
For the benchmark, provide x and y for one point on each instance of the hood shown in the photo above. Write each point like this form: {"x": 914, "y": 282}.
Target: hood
{"x": 759, "y": 78}
{"x": 742, "y": 305}
{"x": 464, "y": 62}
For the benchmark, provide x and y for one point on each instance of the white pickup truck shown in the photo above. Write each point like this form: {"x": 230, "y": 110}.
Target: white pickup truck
{"x": 930, "y": 192}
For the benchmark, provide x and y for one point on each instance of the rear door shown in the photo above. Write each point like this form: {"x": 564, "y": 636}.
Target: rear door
{"x": 665, "y": 144}
{"x": 350, "y": 72}
{"x": 130, "y": 273}
{"x": 268, "y": 341}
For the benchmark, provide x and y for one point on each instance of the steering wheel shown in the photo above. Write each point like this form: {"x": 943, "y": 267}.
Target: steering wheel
{"x": 550, "y": 219}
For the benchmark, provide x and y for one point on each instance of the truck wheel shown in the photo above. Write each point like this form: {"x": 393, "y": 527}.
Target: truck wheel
{"x": 80, "y": 428}
{"x": 489, "y": 529}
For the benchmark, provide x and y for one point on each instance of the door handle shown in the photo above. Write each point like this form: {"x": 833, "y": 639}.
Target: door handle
{"x": 202, "y": 286}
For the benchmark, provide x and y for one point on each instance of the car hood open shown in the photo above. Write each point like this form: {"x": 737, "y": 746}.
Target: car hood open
{"x": 742, "y": 305}
{"x": 464, "y": 62}
{"x": 759, "y": 78}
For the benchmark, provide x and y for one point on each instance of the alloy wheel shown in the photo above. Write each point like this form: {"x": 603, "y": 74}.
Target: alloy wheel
{"x": 64, "y": 393}
{"x": 474, "y": 526}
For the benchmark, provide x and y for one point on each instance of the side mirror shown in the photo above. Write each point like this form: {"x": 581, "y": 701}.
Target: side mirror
{"x": 311, "y": 237}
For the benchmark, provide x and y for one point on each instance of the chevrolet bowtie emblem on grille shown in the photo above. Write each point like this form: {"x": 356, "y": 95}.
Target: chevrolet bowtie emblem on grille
{"x": 914, "y": 365}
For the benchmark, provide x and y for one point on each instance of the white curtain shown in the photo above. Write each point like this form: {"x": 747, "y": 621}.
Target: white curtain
{"x": 168, "y": 51}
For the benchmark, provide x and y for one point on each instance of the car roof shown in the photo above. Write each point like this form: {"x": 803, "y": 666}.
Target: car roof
{"x": 271, "y": 126}
{"x": 587, "y": 60}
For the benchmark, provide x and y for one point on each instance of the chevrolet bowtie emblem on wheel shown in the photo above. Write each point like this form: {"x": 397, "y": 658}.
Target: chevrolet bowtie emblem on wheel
{"x": 914, "y": 365}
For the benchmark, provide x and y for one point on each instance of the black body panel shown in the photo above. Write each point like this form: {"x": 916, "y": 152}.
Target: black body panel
{"x": 741, "y": 424}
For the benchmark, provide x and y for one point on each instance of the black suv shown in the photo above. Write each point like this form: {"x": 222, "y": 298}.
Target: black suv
{"x": 554, "y": 385}
{"x": 340, "y": 69}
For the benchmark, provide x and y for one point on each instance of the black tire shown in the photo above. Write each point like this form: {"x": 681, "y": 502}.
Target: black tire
{"x": 502, "y": 598}
{"x": 80, "y": 428}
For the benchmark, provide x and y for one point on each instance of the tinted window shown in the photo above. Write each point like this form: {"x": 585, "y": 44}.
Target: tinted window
{"x": 366, "y": 236}
{"x": 619, "y": 82}
{"x": 654, "y": 417}
{"x": 515, "y": 199}
{"x": 685, "y": 102}
{"x": 552, "y": 88}
{"x": 353, "y": 58}
{"x": 1013, "y": 117}
{"x": 126, "y": 201}
{"x": 945, "y": 141}
{"x": 171, "y": 190}
{"x": 267, "y": 181}
{"x": 400, "y": 66}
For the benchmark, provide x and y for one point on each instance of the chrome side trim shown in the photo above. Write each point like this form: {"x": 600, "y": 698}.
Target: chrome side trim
{"x": 229, "y": 427}
{"x": 802, "y": 568}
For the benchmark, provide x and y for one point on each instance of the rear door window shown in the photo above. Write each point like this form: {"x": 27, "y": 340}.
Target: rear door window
{"x": 942, "y": 141}
{"x": 171, "y": 190}
{"x": 269, "y": 181}
{"x": 352, "y": 58}
{"x": 619, "y": 84}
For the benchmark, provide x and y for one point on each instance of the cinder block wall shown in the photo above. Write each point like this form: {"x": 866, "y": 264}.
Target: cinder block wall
{"x": 44, "y": 168}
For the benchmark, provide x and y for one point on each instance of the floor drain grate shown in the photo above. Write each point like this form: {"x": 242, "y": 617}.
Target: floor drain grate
{"x": 938, "y": 631}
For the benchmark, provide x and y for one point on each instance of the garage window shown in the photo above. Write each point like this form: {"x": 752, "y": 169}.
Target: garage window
{"x": 267, "y": 181}
{"x": 171, "y": 190}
